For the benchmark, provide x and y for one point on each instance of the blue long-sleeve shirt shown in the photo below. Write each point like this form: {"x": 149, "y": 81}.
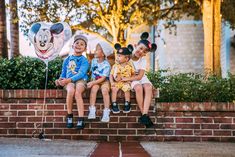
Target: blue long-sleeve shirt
{"x": 75, "y": 67}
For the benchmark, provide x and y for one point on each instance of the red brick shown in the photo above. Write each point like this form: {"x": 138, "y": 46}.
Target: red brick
{"x": 4, "y": 106}
{"x": 26, "y": 113}
{"x": 99, "y": 125}
{"x": 203, "y": 120}
{"x": 16, "y": 131}
{"x": 165, "y": 120}
{"x": 191, "y": 139}
{"x": 210, "y": 126}
{"x": 192, "y": 114}
{"x": 54, "y": 119}
{"x": 7, "y": 125}
{"x": 184, "y": 120}
{"x": 46, "y": 113}
{"x": 202, "y": 132}
{"x": 188, "y": 126}
{"x": 8, "y": 113}
{"x": 185, "y": 106}
{"x": 227, "y": 126}
{"x": 114, "y": 119}
{"x": 68, "y": 137}
{"x": 34, "y": 119}
{"x": 3, "y": 131}
{"x": 55, "y": 107}
{"x": 80, "y": 137}
{"x": 24, "y": 93}
{"x": 3, "y": 119}
{"x": 108, "y": 131}
{"x": 183, "y": 132}
{"x": 35, "y": 106}
{"x": 128, "y": 132}
{"x": 130, "y": 125}
{"x": 223, "y": 120}
{"x": 1, "y": 93}
{"x": 117, "y": 138}
{"x": 118, "y": 125}
{"x": 18, "y": 106}
{"x": 17, "y": 119}
{"x": 91, "y": 131}
{"x": 25, "y": 125}
{"x": 127, "y": 119}
{"x": 53, "y": 131}
{"x": 173, "y": 138}
{"x": 174, "y": 114}
{"x": 222, "y": 133}
{"x": 227, "y": 139}
{"x": 60, "y": 113}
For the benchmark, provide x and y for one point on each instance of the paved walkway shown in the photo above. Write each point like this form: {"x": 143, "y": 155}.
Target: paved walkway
{"x": 21, "y": 147}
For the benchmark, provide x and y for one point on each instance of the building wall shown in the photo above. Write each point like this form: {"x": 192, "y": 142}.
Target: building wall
{"x": 182, "y": 52}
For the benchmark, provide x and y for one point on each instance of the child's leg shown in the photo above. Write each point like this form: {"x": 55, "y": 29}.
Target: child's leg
{"x": 105, "y": 88}
{"x": 114, "y": 94}
{"x": 147, "y": 97}
{"x": 93, "y": 94}
{"x": 127, "y": 96}
{"x": 69, "y": 98}
{"x": 139, "y": 96}
{"x": 78, "y": 96}
{"x": 92, "y": 109}
{"x": 115, "y": 108}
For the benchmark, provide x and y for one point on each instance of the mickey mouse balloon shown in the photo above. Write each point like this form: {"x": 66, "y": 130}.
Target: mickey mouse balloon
{"x": 48, "y": 40}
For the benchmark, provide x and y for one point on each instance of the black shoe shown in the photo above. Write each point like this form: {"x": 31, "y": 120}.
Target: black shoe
{"x": 144, "y": 119}
{"x": 80, "y": 123}
{"x": 69, "y": 121}
{"x": 115, "y": 108}
{"x": 127, "y": 107}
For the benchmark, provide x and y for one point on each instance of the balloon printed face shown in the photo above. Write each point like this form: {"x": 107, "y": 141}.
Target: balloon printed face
{"x": 48, "y": 40}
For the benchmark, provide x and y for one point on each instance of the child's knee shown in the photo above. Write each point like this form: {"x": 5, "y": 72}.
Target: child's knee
{"x": 105, "y": 91}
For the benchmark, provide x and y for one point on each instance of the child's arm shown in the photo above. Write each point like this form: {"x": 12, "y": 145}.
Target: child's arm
{"x": 92, "y": 83}
{"x": 135, "y": 77}
{"x": 63, "y": 73}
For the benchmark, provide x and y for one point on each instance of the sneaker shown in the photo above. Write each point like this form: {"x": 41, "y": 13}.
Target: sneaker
{"x": 127, "y": 107}
{"x": 80, "y": 123}
{"x": 106, "y": 117}
{"x": 92, "y": 111}
{"x": 144, "y": 119}
{"x": 69, "y": 121}
{"x": 115, "y": 108}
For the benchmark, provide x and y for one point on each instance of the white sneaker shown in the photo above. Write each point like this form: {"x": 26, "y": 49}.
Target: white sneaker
{"x": 106, "y": 117}
{"x": 92, "y": 111}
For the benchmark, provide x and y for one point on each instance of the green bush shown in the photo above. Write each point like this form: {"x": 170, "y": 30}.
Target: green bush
{"x": 189, "y": 87}
{"x": 28, "y": 73}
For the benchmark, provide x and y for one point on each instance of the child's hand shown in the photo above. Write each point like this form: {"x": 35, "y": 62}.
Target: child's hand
{"x": 90, "y": 84}
{"x": 125, "y": 79}
{"x": 118, "y": 78}
{"x": 64, "y": 82}
{"x": 112, "y": 84}
{"x": 57, "y": 82}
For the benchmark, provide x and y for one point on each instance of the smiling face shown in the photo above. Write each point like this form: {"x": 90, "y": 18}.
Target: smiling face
{"x": 79, "y": 46}
{"x": 140, "y": 51}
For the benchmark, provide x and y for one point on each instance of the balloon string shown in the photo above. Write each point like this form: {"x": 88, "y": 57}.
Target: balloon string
{"x": 43, "y": 109}
{"x": 44, "y": 101}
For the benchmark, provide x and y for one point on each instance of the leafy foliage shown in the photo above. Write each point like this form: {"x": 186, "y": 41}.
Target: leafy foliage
{"x": 107, "y": 18}
{"x": 189, "y": 87}
{"x": 28, "y": 73}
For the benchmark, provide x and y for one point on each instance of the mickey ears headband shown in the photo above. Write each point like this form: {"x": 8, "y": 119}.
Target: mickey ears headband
{"x": 144, "y": 40}
{"x": 117, "y": 46}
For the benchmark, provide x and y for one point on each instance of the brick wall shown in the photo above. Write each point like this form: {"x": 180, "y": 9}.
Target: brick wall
{"x": 21, "y": 112}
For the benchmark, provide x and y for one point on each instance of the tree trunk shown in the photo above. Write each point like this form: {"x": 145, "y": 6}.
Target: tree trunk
{"x": 3, "y": 34}
{"x": 14, "y": 29}
{"x": 212, "y": 36}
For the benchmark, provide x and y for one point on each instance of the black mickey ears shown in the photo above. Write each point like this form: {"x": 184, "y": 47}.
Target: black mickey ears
{"x": 153, "y": 47}
{"x": 130, "y": 48}
{"x": 124, "y": 50}
{"x": 144, "y": 40}
{"x": 117, "y": 46}
{"x": 144, "y": 36}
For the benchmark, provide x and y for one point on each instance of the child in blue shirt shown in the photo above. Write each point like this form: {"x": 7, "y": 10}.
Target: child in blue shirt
{"x": 74, "y": 77}
{"x": 100, "y": 69}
